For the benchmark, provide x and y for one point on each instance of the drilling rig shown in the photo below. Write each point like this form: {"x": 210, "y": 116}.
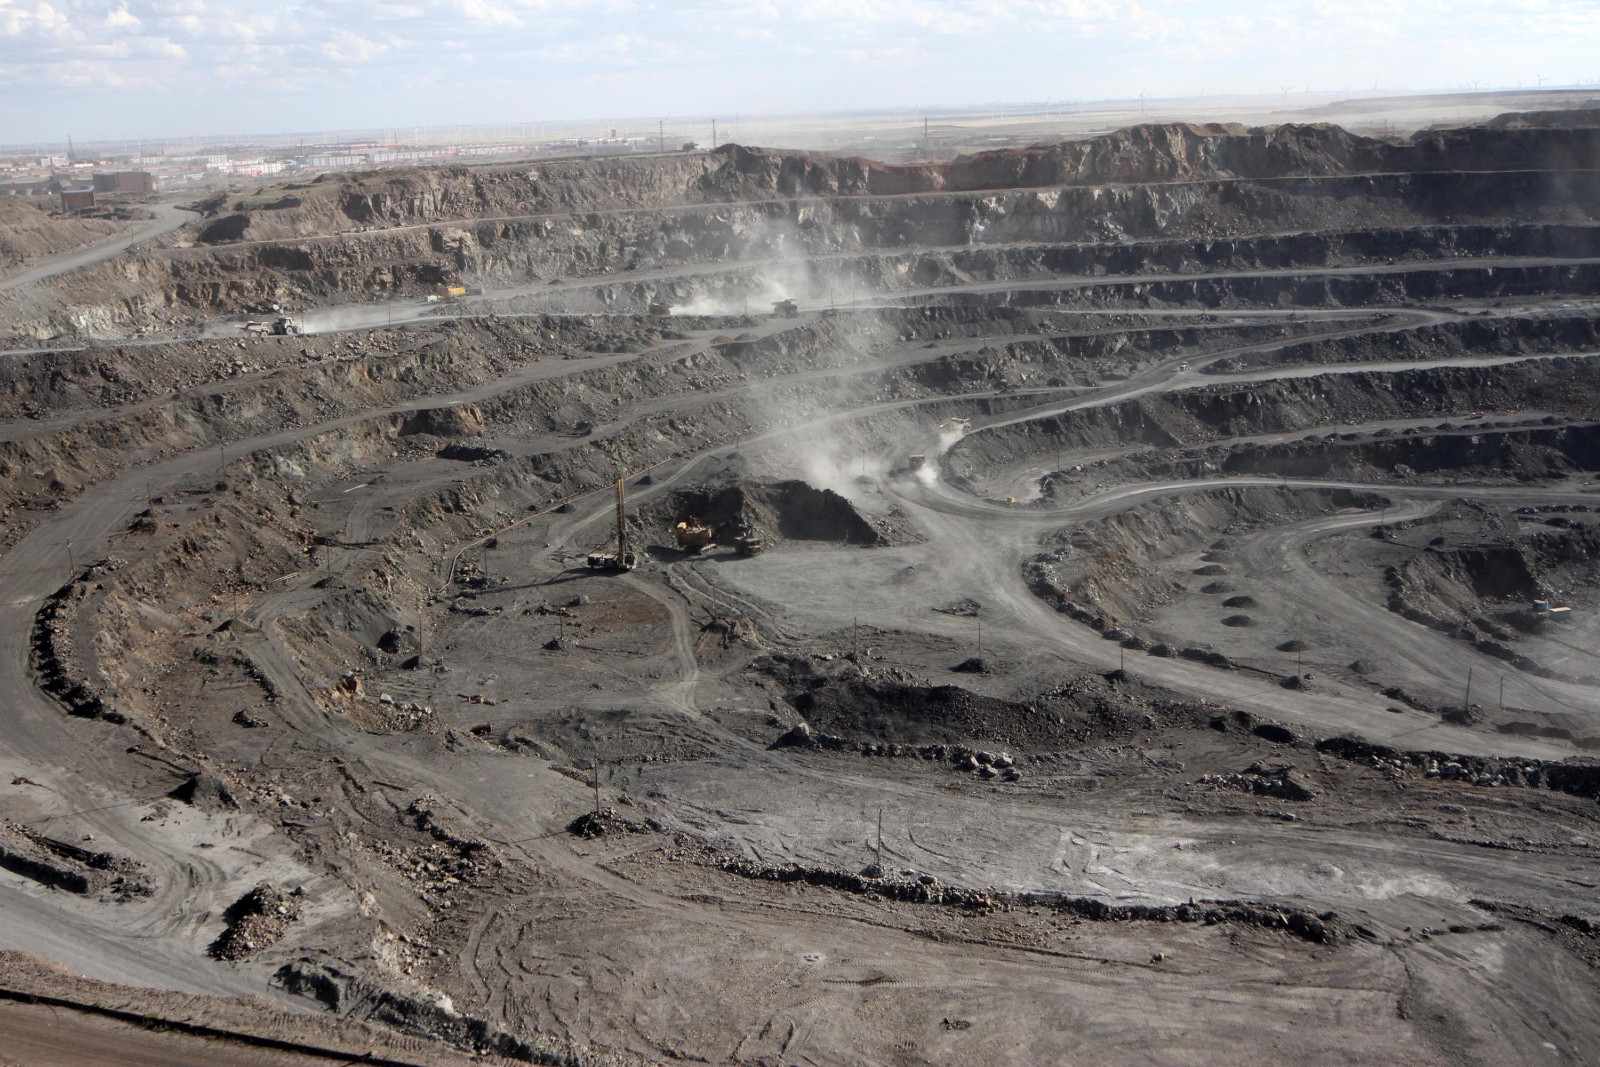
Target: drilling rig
{"x": 624, "y": 559}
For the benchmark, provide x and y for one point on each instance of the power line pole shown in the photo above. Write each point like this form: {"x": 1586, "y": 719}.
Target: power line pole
{"x": 877, "y": 856}
{"x": 713, "y": 134}
{"x": 661, "y": 133}
{"x": 1466, "y": 701}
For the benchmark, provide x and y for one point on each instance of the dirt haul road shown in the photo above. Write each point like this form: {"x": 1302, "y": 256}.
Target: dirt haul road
{"x": 1177, "y": 737}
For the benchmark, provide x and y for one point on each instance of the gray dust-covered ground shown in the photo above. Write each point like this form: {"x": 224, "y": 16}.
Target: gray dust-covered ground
{"x": 1141, "y": 608}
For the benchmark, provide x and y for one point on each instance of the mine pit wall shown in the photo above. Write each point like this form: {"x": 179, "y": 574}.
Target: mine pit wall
{"x": 1137, "y": 155}
{"x": 1047, "y": 356}
{"x": 1566, "y": 386}
{"x": 145, "y": 289}
{"x": 105, "y": 638}
{"x": 1111, "y": 565}
{"x": 1452, "y": 589}
{"x": 1387, "y": 289}
{"x": 1496, "y": 337}
{"x": 429, "y": 528}
{"x": 407, "y": 197}
{"x": 47, "y": 383}
{"x": 127, "y": 629}
{"x": 1084, "y": 359}
{"x": 1476, "y": 451}
{"x": 1198, "y": 217}
{"x": 71, "y": 459}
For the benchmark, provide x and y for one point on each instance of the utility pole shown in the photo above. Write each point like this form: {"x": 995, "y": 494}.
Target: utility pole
{"x": 980, "y": 639}
{"x": 1466, "y": 701}
{"x": 877, "y": 854}
{"x": 1502, "y": 692}
{"x": 713, "y": 134}
{"x": 597, "y": 783}
{"x": 661, "y": 133}
{"x": 71, "y": 562}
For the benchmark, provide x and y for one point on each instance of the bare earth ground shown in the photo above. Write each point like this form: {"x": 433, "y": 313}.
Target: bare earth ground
{"x": 1139, "y": 664}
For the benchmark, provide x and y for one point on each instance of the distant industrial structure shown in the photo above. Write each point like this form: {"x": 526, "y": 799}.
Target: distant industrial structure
{"x": 79, "y": 189}
{"x": 136, "y": 182}
{"x": 164, "y": 165}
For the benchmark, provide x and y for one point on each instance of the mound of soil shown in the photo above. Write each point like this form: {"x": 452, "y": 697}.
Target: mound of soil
{"x": 788, "y": 510}
{"x": 607, "y": 821}
{"x": 867, "y": 710}
{"x": 255, "y": 922}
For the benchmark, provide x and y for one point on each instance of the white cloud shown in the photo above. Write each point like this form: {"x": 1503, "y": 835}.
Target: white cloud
{"x": 345, "y": 47}
{"x": 120, "y": 18}
{"x": 644, "y": 56}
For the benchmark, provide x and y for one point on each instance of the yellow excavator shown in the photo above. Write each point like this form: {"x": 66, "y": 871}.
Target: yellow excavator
{"x": 693, "y": 536}
{"x": 623, "y": 559}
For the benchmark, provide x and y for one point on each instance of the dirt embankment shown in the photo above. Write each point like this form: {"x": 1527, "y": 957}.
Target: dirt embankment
{"x": 1565, "y": 386}
{"x": 791, "y": 510}
{"x": 28, "y": 231}
{"x": 1483, "y": 593}
{"x": 71, "y": 868}
{"x": 1497, "y": 451}
{"x": 301, "y": 385}
{"x": 1167, "y": 153}
{"x": 1136, "y": 155}
{"x": 1111, "y": 567}
{"x": 336, "y": 203}
{"x": 252, "y": 1022}
{"x": 1357, "y": 289}
{"x": 1494, "y": 337}
{"x": 403, "y": 232}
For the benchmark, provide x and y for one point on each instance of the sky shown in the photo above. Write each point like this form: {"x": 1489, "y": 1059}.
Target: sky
{"x": 173, "y": 68}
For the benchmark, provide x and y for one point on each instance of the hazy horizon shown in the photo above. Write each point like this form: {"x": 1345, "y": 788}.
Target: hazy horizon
{"x": 179, "y": 68}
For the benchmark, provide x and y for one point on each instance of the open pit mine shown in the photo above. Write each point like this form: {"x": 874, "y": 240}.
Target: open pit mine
{"x": 1130, "y": 600}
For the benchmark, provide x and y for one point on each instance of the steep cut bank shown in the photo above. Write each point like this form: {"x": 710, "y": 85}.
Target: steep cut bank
{"x": 1136, "y": 155}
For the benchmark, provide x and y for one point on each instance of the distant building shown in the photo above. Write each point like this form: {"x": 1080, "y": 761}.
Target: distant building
{"x": 35, "y": 188}
{"x": 76, "y": 199}
{"x": 137, "y": 182}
